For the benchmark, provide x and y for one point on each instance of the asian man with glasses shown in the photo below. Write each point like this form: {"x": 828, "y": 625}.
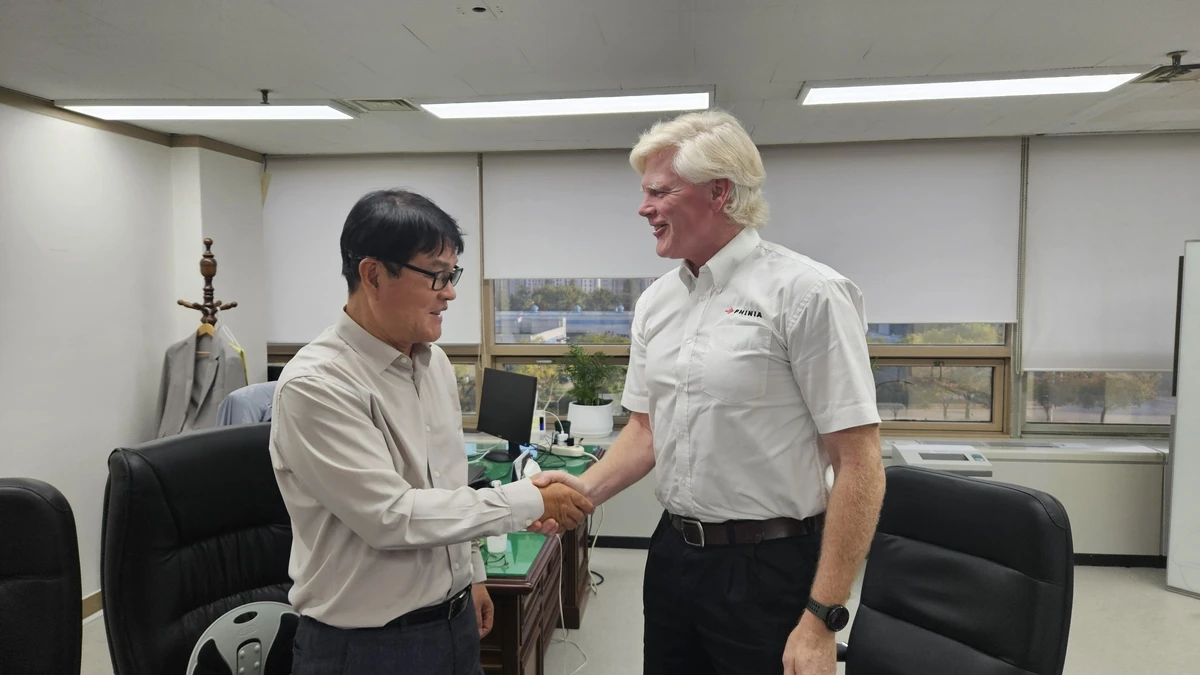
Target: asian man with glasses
{"x": 367, "y": 448}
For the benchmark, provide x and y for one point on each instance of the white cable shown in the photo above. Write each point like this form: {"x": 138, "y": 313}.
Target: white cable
{"x": 592, "y": 586}
{"x": 562, "y": 616}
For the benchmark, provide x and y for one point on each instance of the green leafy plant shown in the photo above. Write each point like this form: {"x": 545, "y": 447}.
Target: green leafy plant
{"x": 588, "y": 374}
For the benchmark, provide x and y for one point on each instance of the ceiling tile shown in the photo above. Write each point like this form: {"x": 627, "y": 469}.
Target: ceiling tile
{"x": 755, "y": 53}
{"x": 49, "y": 19}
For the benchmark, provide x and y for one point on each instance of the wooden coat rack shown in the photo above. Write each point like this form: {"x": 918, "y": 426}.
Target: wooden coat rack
{"x": 209, "y": 308}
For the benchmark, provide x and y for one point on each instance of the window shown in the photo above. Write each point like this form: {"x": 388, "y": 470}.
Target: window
{"x": 936, "y": 333}
{"x": 553, "y": 384}
{"x": 929, "y": 376}
{"x": 563, "y": 311}
{"x": 467, "y": 376}
{"x": 942, "y": 394}
{"x": 1093, "y": 397}
{"x": 941, "y": 376}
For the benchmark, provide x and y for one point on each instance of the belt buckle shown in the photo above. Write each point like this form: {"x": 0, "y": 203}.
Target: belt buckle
{"x": 692, "y": 526}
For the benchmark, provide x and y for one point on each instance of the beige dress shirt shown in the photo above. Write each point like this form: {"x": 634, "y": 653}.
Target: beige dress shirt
{"x": 368, "y": 450}
{"x": 741, "y": 369}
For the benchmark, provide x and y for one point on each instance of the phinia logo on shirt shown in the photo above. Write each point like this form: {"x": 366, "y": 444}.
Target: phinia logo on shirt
{"x": 744, "y": 312}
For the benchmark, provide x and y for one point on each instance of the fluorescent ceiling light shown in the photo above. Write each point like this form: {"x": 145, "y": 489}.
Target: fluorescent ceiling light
{"x": 929, "y": 91}
{"x": 200, "y": 111}
{"x": 570, "y": 106}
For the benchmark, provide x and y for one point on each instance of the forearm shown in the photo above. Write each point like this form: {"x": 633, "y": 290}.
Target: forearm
{"x": 850, "y": 518}
{"x": 429, "y": 518}
{"x": 627, "y": 461}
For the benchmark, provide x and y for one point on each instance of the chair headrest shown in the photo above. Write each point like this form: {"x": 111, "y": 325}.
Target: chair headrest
{"x": 979, "y": 517}
{"x": 213, "y": 481}
{"x": 37, "y": 508}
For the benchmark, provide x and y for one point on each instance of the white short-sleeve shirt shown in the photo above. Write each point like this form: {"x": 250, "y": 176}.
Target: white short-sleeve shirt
{"x": 741, "y": 369}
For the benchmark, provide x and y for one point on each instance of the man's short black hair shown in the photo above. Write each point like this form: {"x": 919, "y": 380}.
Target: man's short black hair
{"x": 394, "y": 226}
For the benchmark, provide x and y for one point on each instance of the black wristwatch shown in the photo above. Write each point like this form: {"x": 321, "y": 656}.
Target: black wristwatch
{"x": 835, "y": 617}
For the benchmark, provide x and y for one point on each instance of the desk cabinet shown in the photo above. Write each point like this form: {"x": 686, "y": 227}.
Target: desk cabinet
{"x": 526, "y": 614}
{"x": 577, "y": 575}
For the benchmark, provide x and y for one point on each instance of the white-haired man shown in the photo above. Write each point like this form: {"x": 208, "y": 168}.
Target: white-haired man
{"x": 748, "y": 378}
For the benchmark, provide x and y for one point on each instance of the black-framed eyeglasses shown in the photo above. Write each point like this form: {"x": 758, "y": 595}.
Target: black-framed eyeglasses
{"x": 440, "y": 279}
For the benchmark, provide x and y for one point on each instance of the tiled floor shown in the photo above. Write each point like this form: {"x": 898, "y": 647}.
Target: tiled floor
{"x": 1124, "y": 622}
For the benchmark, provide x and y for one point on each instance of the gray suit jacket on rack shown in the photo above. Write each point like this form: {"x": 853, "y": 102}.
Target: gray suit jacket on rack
{"x": 193, "y": 385}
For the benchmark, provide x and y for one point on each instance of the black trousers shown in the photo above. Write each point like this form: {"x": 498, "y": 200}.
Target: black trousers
{"x": 723, "y": 609}
{"x": 436, "y": 648}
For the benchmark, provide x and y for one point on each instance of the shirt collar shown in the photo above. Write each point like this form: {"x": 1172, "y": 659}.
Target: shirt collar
{"x": 727, "y": 260}
{"x": 378, "y": 354}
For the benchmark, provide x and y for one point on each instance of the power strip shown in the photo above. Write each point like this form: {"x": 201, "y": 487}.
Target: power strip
{"x": 568, "y": 450}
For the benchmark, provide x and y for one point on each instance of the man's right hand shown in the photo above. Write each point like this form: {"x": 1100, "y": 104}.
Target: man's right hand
{"x": 548, "y": 526}
{"x": 564, "y": 505}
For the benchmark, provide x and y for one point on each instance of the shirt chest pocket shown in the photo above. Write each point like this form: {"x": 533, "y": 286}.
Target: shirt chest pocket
{"x": 735, "y": 365}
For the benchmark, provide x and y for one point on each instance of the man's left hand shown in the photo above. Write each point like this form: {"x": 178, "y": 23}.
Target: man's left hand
{"x": 484, "y": 610}
{"x": 811, "y": 649}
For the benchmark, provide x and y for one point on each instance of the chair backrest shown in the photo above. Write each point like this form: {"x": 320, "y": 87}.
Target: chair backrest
{"x": 41, "y": 622}
{"x": 194, "y": 526}
{"x": 964, "y": 576}
{"x": 254, "y": 639}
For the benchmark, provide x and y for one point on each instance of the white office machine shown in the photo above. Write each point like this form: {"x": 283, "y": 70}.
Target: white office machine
{"x": 964, "y": 460}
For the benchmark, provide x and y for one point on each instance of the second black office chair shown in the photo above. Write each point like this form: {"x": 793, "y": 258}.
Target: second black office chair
{"x": 41, "y": 620}
{"x": 964, "y": 576}
{"x": 194, "y": 526}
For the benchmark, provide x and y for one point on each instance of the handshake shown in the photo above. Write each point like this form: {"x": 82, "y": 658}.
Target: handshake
{"x": 564, "y": 503}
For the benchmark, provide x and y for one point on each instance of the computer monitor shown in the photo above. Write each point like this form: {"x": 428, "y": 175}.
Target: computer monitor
{"x": 506, "y": 407}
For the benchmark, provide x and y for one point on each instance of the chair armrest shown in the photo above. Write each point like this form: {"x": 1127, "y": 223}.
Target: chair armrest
{"x": 841, "y": 651}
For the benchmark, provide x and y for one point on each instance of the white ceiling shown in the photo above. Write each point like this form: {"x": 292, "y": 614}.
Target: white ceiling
{"x": 756, "y": 54}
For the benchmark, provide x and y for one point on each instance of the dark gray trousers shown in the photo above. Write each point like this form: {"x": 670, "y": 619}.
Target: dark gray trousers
{"x": 448, "y": 647}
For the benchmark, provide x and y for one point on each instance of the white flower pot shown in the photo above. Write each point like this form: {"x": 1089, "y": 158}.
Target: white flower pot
{"x": 590, "y": 421}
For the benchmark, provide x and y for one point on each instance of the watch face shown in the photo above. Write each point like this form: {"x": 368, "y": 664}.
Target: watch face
{"x": 838, "y": 618}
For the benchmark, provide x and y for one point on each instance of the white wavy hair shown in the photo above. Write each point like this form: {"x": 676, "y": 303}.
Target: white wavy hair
{"x": 710, "y": 145}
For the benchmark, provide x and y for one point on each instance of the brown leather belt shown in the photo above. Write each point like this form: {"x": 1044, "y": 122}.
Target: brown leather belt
{"x": 701, "y": 534}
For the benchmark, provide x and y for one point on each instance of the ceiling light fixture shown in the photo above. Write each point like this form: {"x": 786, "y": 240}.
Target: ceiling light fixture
{"x": 601, "y": 105}
{"x": 932, "y": 91}
{"x": 129, "y": 111}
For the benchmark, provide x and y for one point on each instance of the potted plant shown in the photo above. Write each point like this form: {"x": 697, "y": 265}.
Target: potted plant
{"x": 589, "y": 412}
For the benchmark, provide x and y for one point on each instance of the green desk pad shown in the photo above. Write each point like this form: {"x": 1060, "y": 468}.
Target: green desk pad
{"x": 524, "y": 547}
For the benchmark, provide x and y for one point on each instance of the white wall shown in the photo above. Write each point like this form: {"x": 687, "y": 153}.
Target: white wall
{"x": 100, "y": 234}
{"x": 84, "y": 252}
{"x": 231, "y": 212}
{"x": 305, "y": 209}
{"x": 219, "y": 196}
{"x": 187, "y": 235}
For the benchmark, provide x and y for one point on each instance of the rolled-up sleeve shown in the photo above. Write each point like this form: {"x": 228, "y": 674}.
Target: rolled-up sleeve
{"x": 827, "y": 344}
{"x": 325, "y": 437}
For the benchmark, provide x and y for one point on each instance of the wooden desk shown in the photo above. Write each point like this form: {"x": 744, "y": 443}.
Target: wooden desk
{"x": 577, "y": 576}
{"x": 526, "y": 614}
{"x": 527, "y": 607}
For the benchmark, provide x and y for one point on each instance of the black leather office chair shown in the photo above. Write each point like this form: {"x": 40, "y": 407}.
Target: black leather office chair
{"x": 41, "y": 622}
{"x": 964, "y": 576}
{"x": 194, "y": 526}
